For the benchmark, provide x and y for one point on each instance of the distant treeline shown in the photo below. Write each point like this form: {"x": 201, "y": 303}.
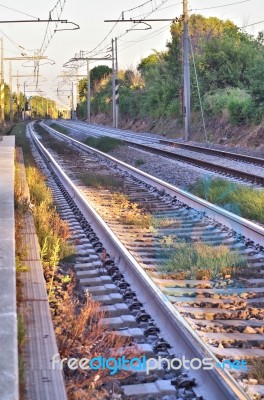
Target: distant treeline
{"x": 230, "y": 69}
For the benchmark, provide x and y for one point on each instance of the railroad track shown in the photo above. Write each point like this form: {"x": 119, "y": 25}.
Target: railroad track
{"x": 217, "y": 306}
{"x": 228, "y": 164}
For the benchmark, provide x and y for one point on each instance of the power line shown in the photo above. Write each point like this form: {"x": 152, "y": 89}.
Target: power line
{"x": 157, "y": 7}
{"x": 144, "y": 37}
{"x": 254, "y": 23}
{"x": 21, "y": 12}
{"x": 224, "y": 5}
{"x": 98, "y": 49}
{"x": 135, "y": 8}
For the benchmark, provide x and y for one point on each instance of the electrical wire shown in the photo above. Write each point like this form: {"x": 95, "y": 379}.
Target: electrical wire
{"x": 98, "y": 49}
{"x": 20, "y": 12}
{"x": 49, "y": 34}
{"x": 254, "y": 23}
{"x": 143, "y": 38}
{"x": 224, "y": 5}
{"x": 135, "y": 8}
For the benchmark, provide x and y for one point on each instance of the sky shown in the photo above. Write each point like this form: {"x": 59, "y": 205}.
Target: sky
{"x": 22, "y": 39}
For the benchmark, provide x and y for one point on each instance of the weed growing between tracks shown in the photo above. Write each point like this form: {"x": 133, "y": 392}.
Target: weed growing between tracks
{"x": 239, "y": 199}
{"x": 103, "y": 143}
{"x": 128, "y": 212}
{"x": 99, "y": 180}
{"x": 200, "y": 261}
{"x": 256, "y": 370}
{"x": 59, "y": 128}
{"x": 139, "y": 162}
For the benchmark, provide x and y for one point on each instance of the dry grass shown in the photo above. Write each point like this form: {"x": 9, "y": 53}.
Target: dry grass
{"x": 256, "y": 370}
{"x": 128, "y": 212}
{"x": 51, "y": 229}
{"x": 80, "y": 334}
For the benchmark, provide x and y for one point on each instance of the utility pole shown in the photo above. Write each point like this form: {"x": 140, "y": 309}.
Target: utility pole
{"x": 88, "y": 78}
{"x": 113, "y": 85}
{"x": 10, "y": 88}
{"x": 72, "y": 103}
{"x": 2, "y": 88}
{"x": 116, "y": 87}
{"x": 24, "y": 112}
{"x": 18, "y": 95}
{"x": 88, "y": 95}
{"x": 186, "y": 67}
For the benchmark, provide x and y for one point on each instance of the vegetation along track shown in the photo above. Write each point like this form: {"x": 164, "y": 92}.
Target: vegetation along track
{"x": 242, "y": 167}
{"x": 223, "y": 306}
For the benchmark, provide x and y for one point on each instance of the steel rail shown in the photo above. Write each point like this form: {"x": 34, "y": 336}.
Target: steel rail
{"x": 212, "y": 384}
{"x": 215, "y": 152}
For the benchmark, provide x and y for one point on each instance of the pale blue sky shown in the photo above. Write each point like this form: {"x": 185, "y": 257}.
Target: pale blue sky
{"x": 90, "y": 15}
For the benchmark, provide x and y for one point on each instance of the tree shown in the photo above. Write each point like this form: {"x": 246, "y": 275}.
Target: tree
{"x": 150, "y": 61}
{"x": 98, "y": 73}
{"x": 255, "y": 75}
{"x": 225, "y": 61}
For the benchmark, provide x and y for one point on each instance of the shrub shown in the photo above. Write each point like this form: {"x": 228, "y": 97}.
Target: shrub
{"x": 240, "y": 110}
{"x": 233, "y": 197}
{"x": 237, "y": 102}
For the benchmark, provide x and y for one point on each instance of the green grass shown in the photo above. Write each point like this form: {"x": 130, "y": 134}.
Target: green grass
{"x": 199, "y": 259}
{"x": 139, "y": 162}
{"x": 21, "y": 331}
{"x": 21, "y": 339}
{"x": 103, "y": 143}
{"x": 244, "y": 201}
{"x": 59, "y": 128}
{"x": 99, "y": 180}
{"x": 19, "y": 131}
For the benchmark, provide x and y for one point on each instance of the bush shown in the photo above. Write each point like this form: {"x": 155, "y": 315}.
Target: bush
{"x": 240, "y": 110}
{"x": 233, "y": 197}
{"x": 237, "y": 102}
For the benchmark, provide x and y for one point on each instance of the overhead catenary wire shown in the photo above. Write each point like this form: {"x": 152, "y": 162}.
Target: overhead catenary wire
{"x": 18, "y": 11}
{"x": 103, "y": 45}
{"x": 48, "y": 36}
{"x": 254, "y": 23}
{"x": 220, "y": 6}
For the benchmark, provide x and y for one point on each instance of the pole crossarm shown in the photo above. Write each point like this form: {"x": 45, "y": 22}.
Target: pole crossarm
{"x": 71, "y": 76}
{"x": 63, "y": 21}
{"x": 138, "y": 21}
{"x": 87, "y": 59}
{"x": 33, "y": 58}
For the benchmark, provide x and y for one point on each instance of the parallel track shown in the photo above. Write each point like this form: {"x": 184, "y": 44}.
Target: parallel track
{"x": 168, "y": 148}
{"x": 176, "y": 205}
